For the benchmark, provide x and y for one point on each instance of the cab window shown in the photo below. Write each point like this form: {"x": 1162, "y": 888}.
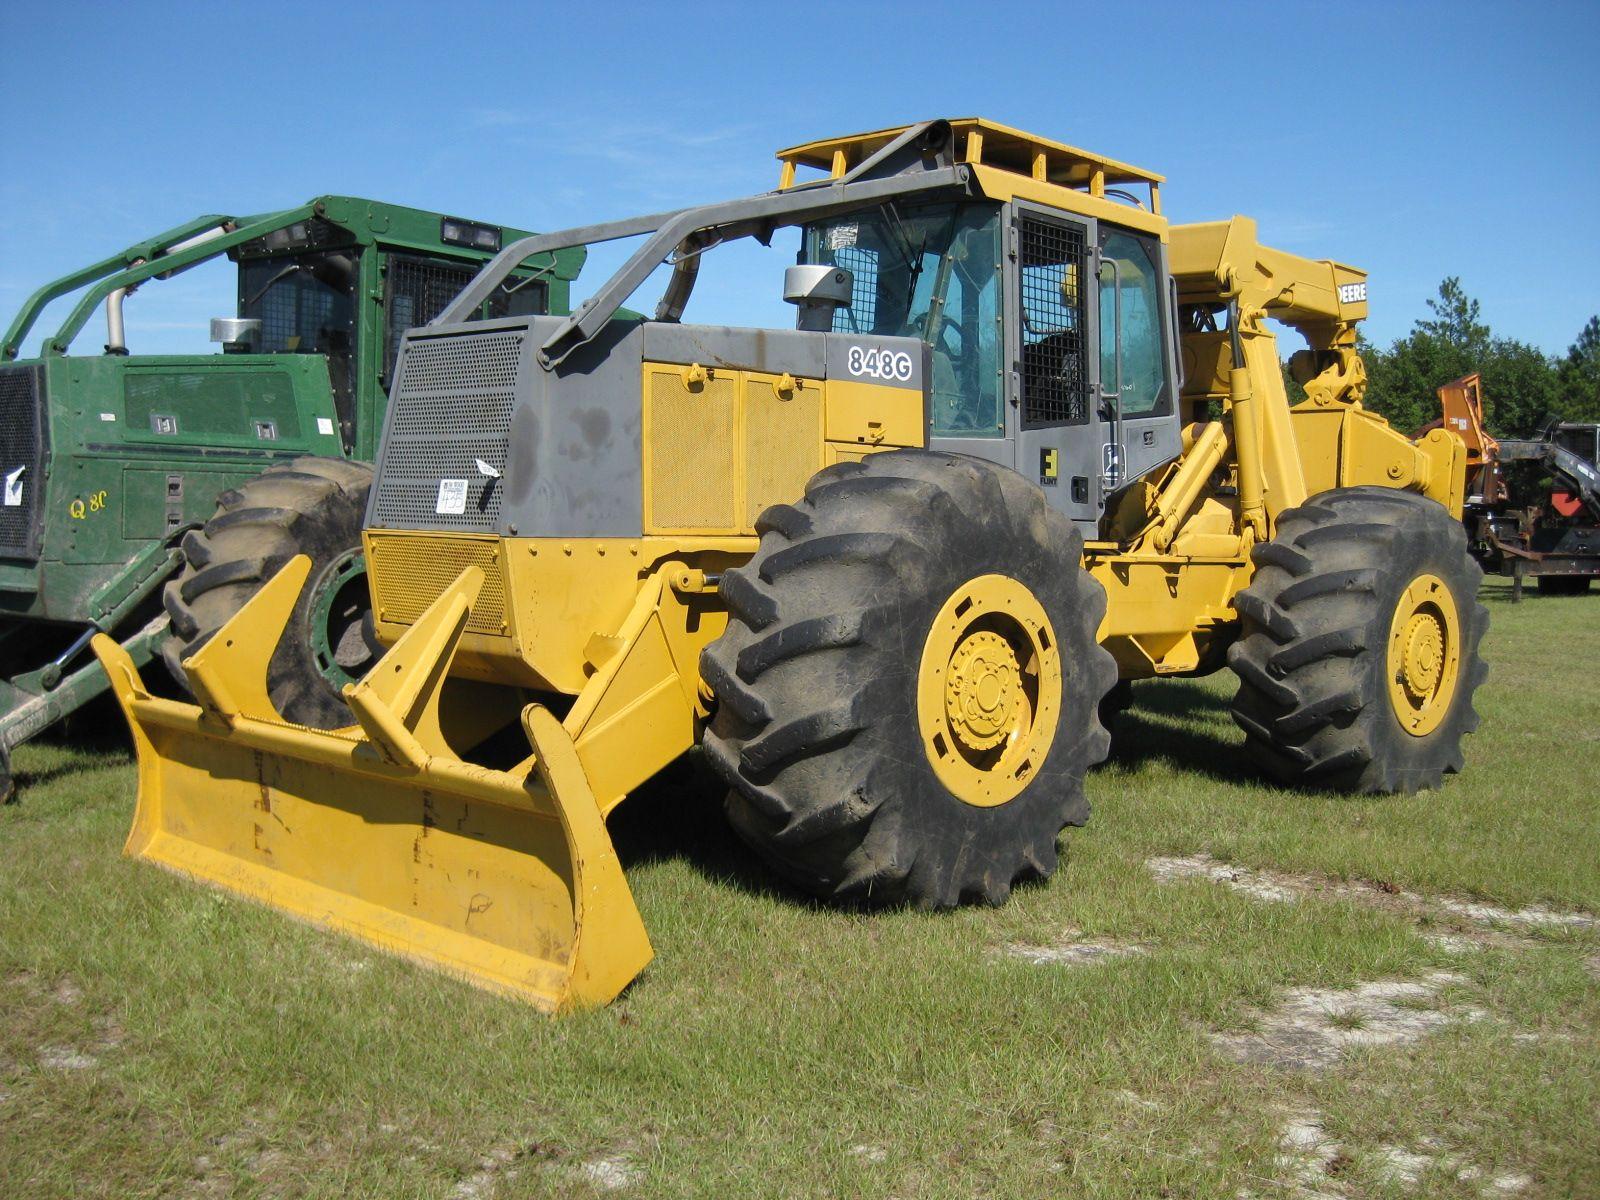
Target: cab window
{"x": 930, "y": 272}
{"x": 1134, "y": 291}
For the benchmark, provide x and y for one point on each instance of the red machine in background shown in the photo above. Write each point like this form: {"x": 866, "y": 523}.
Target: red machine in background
{"x": 1540, "y": 520}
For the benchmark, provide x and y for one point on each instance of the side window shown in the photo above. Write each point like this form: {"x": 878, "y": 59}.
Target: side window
{"x": 1143, "y": 362}
{"x": 1055, "y": 383}
{"x": 305, "y": 304}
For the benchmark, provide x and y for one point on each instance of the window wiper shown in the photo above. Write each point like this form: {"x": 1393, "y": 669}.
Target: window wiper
{"x": 274, "y": 281}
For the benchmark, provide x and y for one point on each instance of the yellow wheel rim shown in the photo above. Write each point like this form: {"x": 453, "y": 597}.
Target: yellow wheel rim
{"x": 1424, "y": 657}
{"x": 989, "y": 690}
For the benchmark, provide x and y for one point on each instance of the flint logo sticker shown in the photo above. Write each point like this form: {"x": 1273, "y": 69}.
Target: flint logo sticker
{"x": 452, "y": 497}
{"x": 14, "y": 487}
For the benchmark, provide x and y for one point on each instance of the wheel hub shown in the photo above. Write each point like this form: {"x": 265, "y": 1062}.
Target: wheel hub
{"x": 981, "y": 690}
{"x": 1424, "y": 655}
{"x": 989, "y": 690}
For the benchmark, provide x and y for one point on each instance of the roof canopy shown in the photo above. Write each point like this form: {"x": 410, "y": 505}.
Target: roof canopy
{"x": 984, "y": 143}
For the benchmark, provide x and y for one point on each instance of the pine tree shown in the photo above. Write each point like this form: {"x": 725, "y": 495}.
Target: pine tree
{"x": 1579, "y": 376}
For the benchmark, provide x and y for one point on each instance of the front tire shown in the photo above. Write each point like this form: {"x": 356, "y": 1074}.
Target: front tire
{"x": 907, "y": 689}
{"x": 1359, "y": 658}
{"x": 311, "y": 506}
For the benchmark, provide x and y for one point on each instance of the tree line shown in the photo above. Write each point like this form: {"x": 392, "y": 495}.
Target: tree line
{"x": 1522, "y": 385}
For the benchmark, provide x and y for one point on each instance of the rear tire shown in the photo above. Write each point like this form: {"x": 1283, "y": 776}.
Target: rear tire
{"x": 311, "y": 506}
{"x": 1359, "y": 658}
{"x": 849, "y": 655}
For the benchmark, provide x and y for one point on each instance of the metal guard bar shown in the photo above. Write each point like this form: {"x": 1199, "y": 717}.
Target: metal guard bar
{"x": 730, "y": 219}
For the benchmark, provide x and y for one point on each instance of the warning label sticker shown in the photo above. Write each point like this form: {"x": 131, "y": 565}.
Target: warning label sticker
{"x": 452, "y": 497}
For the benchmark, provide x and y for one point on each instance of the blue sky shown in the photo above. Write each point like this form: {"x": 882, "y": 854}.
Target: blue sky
{"x": 1415, "y": 140}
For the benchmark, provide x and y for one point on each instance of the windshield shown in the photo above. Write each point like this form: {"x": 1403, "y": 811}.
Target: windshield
{"x": 930, "y": 272}
{"x": 305, "y": 304}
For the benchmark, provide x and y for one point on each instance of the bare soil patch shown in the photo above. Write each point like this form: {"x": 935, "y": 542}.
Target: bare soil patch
{"x": 1311, "y": 1165}
{"x": 1312, "y": 1027}
{"x": 1285, "y": 887}
{"x": 1073, "y": 949}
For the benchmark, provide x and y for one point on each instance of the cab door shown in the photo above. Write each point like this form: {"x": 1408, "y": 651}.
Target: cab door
{"x": 1134, "y": 365}
{"x": 1050, "y": 309}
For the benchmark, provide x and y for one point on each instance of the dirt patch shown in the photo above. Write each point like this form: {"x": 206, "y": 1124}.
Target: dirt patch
{"x": 65, "y": 1058}
{"x": 1283, "y": 887}
{"x": 481, "y": 1182}
{"x": 1311, "y": 1165}
{"x": 1132, "y": 1098}
{"x": 1073, "y": 950}
{"x": 248, "y": 1153}
{"x": 67, "y": 993}
{"x": 1259, "y": 884}
{"x": 1313, "y": 1027}
{"x": 1535, "y": 917}
{"x": 613, "y": 1172}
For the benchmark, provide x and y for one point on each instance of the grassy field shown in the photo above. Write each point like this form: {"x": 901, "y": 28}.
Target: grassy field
{"x": 1198, "y": 1006}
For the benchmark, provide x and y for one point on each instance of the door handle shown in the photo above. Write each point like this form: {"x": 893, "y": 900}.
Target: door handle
{"x": 1111, "y": 473}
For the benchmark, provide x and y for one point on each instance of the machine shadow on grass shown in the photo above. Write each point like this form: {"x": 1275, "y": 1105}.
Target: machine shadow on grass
{"x": 1181, "y": 723}
{"x": 678, "y": 815}
{"x": 97, "y": 730}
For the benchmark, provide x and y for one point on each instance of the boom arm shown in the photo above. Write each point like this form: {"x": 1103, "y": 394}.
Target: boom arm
{"x": 1280, "y": 456}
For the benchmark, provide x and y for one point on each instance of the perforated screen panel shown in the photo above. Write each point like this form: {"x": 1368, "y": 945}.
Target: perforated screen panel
{"x": 410, "y": 572}
{"x": 21, "y": 459}
{"x": 1055, "y": 377}
{"x": 690, "y": 455}
{"x": 782, "y": 444}
{"x": 452, "y": 405}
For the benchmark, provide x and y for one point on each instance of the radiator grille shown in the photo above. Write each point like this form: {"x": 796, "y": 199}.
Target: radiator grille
{"x": 690, "y": 454}
{"x": 452, "y": 404}
{"x": 1055, "y": 381}
{"x": 782, "y": 445}
{"x": 21, "y": 448}
{"x": 409, "y": 573}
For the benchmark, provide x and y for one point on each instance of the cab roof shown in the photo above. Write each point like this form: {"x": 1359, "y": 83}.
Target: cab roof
{"x": 984, "y": 143}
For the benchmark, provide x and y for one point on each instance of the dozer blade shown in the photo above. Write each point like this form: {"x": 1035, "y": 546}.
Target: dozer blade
{"x": 506, "y": 878}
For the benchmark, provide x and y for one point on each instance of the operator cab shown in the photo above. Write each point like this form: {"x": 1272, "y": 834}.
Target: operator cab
{"x": 298, "y": 288}
{"x": 1051, "y": 331}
